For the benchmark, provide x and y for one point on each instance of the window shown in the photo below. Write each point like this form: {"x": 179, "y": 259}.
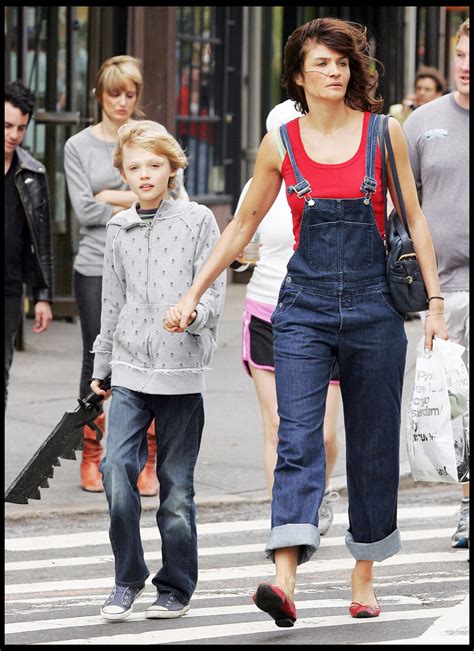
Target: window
{"x": 208, "y": 96}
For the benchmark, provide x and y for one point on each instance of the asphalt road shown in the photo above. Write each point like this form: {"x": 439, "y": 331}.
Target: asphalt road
{"x": 59, "y": 569}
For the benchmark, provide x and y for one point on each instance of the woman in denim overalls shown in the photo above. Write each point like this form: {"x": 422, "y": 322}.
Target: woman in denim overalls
{"x": 334, "y": 303}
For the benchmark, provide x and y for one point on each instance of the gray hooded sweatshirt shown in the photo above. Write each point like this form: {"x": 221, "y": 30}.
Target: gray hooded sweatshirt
{"x": 148, "y": 267}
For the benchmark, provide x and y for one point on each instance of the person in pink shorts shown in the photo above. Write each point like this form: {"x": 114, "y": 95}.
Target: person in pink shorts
{"x": 275, "y": 248}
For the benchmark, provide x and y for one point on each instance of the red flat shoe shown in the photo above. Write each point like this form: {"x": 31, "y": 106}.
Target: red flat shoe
{"x": 272, "y": 600}
{"x": 362, "y": 610}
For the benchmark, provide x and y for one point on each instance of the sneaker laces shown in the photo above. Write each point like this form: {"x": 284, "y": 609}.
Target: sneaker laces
{"x": 170, "y": 599}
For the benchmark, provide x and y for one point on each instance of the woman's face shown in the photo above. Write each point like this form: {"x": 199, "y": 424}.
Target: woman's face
{"x": 119, "y": 106}
{"x": 326, "y": 73}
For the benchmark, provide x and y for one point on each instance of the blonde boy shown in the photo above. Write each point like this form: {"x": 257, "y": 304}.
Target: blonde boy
{"x": 153, "y": 251}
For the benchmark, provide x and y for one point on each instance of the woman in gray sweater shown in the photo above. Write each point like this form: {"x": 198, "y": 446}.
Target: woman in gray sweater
{"x": 97, "y": 192}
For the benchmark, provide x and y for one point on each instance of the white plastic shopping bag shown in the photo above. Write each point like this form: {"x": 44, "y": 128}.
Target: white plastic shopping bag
{"x": 438, "y": 415}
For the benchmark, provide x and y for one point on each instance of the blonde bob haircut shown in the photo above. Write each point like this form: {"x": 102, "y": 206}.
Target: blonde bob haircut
{"x": 153, "y": 137}
{"x": 113, "y": 74}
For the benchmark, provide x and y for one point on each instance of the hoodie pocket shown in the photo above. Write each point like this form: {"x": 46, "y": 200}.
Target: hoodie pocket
{"x": 130, "y": 341}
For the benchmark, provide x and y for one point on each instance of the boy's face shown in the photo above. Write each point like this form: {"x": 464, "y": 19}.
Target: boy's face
{"x": 147, "y": 174}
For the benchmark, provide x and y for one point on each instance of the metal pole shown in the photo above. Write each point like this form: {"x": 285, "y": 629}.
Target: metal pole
{"x": 442, "y": 41}
{"x": 244, "y": 101}
{"x": 410, "y": 49}
{"x": 255, "y": 85}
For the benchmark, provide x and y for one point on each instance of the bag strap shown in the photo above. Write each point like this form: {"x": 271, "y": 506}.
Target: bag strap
{"x": 384, "y": 170}
{"x": 393, "y": 168}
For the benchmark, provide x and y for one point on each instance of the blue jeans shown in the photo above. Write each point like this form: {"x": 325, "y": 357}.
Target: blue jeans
{"x": 364, "y": 332}
{"x": 179, "y": 421}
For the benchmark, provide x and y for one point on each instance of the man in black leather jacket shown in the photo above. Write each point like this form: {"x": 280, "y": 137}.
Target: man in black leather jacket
{"x": 28, "y": 245}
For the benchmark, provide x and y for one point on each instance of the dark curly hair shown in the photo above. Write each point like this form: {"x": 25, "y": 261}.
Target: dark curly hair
{"x": 21, "y": 97}
{"x": 348, "y": 39}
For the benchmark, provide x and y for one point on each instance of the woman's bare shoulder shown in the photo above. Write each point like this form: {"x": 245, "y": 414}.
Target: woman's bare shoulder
{"x": 268, "y": 155}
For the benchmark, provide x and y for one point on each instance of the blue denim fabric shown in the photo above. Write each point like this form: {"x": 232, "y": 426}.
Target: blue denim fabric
{"x": 179, "y": 421}
{"x": 335, "y": 303}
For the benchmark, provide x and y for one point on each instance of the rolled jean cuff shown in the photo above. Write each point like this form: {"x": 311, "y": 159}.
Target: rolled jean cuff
{"x": 132, "y": 584}
{"x": 376, "y": 551}
{"x": 306, "y": 536}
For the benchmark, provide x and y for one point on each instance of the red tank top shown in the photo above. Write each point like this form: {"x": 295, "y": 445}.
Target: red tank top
{"x": 339, "y": 181}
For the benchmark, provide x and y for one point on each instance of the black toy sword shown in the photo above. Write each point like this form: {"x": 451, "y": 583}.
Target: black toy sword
{"x": 64, "y": 440}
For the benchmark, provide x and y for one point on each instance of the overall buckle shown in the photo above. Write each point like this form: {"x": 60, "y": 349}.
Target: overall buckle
{"x": 301, "y": 188}
{"x": 368, "y": 187}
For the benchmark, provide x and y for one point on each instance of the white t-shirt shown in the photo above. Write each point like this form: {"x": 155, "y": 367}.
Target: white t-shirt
{"x": 277, "y": 240}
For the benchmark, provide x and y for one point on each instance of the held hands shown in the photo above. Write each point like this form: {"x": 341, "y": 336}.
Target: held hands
{"x": 180, "y": 316}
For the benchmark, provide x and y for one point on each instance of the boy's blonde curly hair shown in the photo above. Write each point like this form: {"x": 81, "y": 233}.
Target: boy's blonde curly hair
{"x": 153, "y": 137}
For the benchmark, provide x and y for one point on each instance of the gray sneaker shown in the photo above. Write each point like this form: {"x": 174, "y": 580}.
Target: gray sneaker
{"x": 166, "y": 606}
{"x": 325, "y": 512}
{"x": 460, "y": 538}
{"x": 119, "y": 603}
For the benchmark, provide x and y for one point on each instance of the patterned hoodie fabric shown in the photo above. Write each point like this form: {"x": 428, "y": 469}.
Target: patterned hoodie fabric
{"x": 148, "y": 267}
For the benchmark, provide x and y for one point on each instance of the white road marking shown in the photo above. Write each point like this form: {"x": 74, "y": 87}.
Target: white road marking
{"x": 103, "y": 559}
{"x": 245, "y": 571}
{"x": 218, "y": 611}
{"x": 89, "y": 538}
{"x": 451, "y": 628}
{"x": 246, "y": 628}
{"x": 90, "y": 599}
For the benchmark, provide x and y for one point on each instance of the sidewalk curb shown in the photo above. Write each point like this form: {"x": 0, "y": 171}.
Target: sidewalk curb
{"x": 337, "y": 483}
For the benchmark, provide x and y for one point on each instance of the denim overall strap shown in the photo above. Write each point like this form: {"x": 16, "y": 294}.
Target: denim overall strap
{"x": 369, "y": 184}
{"x": 302, "y": 186}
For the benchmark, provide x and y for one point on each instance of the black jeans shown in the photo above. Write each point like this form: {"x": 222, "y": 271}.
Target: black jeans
{"x": 88, "y": 291}
{"x": 13, "y": 305}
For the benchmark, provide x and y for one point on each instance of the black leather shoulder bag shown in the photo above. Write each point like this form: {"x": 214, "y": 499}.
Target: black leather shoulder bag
{"x": 404, "y": 277}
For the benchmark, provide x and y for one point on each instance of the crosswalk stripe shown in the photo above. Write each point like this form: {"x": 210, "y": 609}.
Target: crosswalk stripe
{"x": 246, "y": 571}
{"x": 89, "y": 538}
{"x": 219, "y": 611}
{"x": 455, "y": 619}
{"x": 103, "y": 559}
{"x": 246, "y": 628}
{"x": 90, "y": 599}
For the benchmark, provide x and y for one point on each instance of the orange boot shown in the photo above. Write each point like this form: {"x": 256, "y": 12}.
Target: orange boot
{"x": 91, "y": 479}
{"x": 147, "y": 480}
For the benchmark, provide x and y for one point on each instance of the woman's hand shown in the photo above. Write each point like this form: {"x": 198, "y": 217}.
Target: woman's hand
{"x": 95, "y": 386}
{"x": 179, "y": 316}
{"x": 435, "y": 326}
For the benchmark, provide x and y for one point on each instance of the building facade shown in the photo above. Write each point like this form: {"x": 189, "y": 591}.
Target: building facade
{"x": 211, "y": 76}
